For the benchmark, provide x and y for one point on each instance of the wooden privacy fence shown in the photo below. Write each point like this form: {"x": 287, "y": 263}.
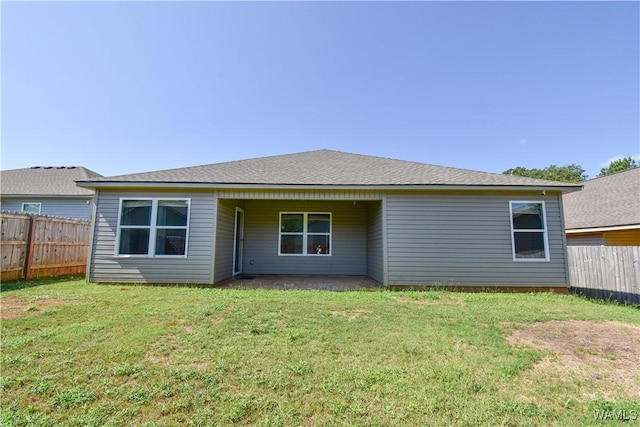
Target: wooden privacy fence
{"x": 35, "y": 246}
{"x": 608, "y": 272}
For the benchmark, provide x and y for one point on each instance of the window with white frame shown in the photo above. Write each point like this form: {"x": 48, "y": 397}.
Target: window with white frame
{"x": 303, "y": 233}
{"x": 33, "y": 208}
{"x": 529, "y": 231}
{"x": 153, "y": 227}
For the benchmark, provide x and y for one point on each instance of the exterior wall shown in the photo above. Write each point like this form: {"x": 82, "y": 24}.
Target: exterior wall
{"x": 225, "y": 233}
{"x": 622, "y": 238}
{"x": 375, "y": 244}
{"x": 349, "y": 239}
{"x": 465, "y": 239}
{"x": 67, "y": 208}
{"x": 585, "y": 239}
{"x": 196, "y": 268}
{"x": 605, "y": 238}
{"x": 425, "y": 238}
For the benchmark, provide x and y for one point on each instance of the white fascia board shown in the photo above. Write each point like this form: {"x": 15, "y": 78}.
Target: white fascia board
{"x": 48, "y": 196}
{"x": 599, "y": 229}
{"x": 323, "y": 187}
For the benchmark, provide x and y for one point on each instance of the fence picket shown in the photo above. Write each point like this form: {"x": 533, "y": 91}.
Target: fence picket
{"x": 40, "y": 246}
{"x": 607, "y": 272}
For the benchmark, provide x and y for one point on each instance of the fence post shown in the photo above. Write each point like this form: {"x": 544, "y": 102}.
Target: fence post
{"x": 30, "y": 244}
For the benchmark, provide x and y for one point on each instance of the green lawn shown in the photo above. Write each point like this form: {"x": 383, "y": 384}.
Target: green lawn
{"x": 85, "y": 354}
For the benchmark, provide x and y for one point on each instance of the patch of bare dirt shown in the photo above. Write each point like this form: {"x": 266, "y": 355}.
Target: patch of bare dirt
{"x": 167, "y": 350}
{"x": 12, "y": 307}
{"x": 350, "y": 315}
{"x": 602, "y": 357}
{"x": 449, "y": 299}
{"x": 163, "y": 349}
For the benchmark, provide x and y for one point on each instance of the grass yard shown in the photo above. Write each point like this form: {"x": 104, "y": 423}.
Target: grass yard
{"x": 85, "y": 354}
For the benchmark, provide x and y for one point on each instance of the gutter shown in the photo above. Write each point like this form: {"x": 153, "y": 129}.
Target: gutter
{"x": 244, "y": 186}
{"x": 598, "y": 229}
{"x": 87, "y": 196}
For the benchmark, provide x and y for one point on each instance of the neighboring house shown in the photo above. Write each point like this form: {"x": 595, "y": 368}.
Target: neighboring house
{"x": 606, "y": 211}
{"x": 329, "y": 213}
{"x": 48, "y": 190}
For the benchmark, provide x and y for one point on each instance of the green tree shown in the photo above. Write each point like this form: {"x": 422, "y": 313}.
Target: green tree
{"x": 619, "y": 166}
{"x": 569, "y": 173}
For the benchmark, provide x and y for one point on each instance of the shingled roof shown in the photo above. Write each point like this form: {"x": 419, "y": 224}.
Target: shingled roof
{"x": 609, "y": 201}
{"x": 45, "y": 181}
{"x": 324, "y": 168}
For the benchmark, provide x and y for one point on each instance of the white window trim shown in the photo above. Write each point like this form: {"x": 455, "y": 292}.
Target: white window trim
{"x": 32, "y": 203}
{"x": 152, "y": 228}
{"x": 305, "y": 233}
{"x": 545, "y": 232}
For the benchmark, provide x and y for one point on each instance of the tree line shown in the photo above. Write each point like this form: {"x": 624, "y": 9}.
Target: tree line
{"x": 573, "y": 172}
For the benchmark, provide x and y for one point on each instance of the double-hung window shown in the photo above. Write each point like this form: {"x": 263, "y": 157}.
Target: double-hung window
{"x": 153, "y": 227}
{"x": 529, "y": 231}
{"x": 304, "y": 233}
{"x": 33, "y": 208}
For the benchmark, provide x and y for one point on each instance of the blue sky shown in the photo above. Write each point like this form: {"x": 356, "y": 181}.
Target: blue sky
{"x": 123, "y": 87}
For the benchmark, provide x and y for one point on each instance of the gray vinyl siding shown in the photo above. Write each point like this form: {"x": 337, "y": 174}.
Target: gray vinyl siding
{"x": 423, "y": 238}
{"x": 196, "y": 268}
{"x": 349, "y": 239}
{"x": 465, "y": 239}
{"x": 67, "y": 208}
{"x": 595, "y": 239}
{"x": 225, "y": 231}
{"x": 375, "y": 260}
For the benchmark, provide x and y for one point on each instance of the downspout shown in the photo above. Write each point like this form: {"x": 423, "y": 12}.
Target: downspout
{"x": 94, "y": 214}
{"x": 564, "y": 243}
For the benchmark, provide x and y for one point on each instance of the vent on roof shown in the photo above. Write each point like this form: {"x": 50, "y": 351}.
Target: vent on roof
{"x": 53, "y": 167}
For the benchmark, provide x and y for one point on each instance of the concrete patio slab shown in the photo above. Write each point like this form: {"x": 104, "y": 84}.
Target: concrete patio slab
{"x": 328, "y": 283}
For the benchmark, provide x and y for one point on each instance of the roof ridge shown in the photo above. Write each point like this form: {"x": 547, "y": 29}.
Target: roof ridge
{"x": 223, "y": 163}
{"x": 611, "y": 174}
{"x": 208, "y": 164}
{"x": 53, "y": 167}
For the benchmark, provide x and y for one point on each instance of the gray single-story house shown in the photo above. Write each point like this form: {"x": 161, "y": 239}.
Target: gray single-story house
{"x": 329, "y": 213}
{"x": 47, "y": 190}
{"x": 606, "y": 212}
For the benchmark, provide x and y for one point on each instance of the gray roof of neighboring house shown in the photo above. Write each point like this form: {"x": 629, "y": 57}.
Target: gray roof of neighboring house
{"x": 324, "y": 167}
{"x": 45, "y": 181}
{"x": 609, "y": 201}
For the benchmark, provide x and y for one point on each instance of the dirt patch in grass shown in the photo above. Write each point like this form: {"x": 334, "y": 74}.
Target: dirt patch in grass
{"x": 12, "y": 307}
{"x": 163, "y": 349}
{"x": 350, "y": 315}
{"x": 168, "y": 352}
{"x": 603, "y": 357}
{"x": 449, "y": 299}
